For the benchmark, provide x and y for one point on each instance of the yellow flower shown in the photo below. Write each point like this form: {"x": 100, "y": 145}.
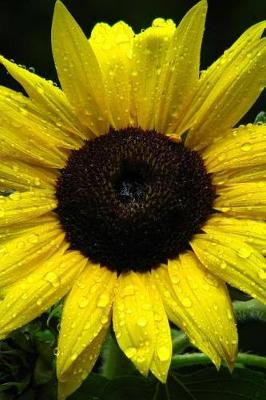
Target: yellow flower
{"x": 115, "y": 209}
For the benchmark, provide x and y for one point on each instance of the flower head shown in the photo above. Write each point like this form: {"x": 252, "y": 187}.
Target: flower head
{"x": 135, "y": 196}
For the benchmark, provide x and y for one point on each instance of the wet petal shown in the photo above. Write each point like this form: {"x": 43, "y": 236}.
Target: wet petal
{"x": 244, "y": 146}
{"x": 78, "y": 71}
{"x": 23, "y": 134}
{"x": 227, "y": 89}
{"x": 85, "y": 321}
{"x": 23, "y": 115}
{"x": 233, "y": 260}
{"x": 149, "y": 52}
{"x": 251, "y": 232}
{"x": 21, "y": 255}
{"x": 179, "y": 75}
{"x": 199, "y": 304}
{"x": 73, "y": 377}
{"x": 33, "y": 151}
{"x": 20, "y": 207}
{"x": 52, "y": 104}
{"x": 112, "y": 46}
{"x": 47, "y": 284}
{"x": 133, "y": 320}
{"x": 19, "y": 175}
{"x": 11, "y": 231}
{"x": 240, "y": 175}
{"x": 242, "y": 199}
{"x": 163, "y": 343}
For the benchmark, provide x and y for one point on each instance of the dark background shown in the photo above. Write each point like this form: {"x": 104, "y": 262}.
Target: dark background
{"x": 25, "y": 37}
{"x": 25, "y": 27}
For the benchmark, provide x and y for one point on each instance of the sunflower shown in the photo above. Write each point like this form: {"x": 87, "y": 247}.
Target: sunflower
{"x": 133, "y": 193}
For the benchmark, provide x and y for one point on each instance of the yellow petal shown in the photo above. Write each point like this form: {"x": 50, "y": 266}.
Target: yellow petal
{"x": 47, "y": 284}
{"x": 50, "y": 100}
{"x": 234, "y": 261}
{"x": 244, "y": 146}
{"x": 112, "y": 46}
{"x": 199, "y": 304}
{"x": 149, "y": 53}
{"x": 240, "y": 175}
{"x": 242, "y": 199}
{"x": 227, "y": 89}
{"x": 179, "y": 75}
{"x": 73, "y": 378}
{"x": 29, "y": 150}
{"x": 8, "y": 232}
{"x": 133, "y": 320}
{"x": 18, "y": 175}
{"x": 23, "y": 254}
{"x": 251, "y": 232}
{"x": 25, "y": 135}
{"x": 85, "y": 321}
{"x": 163, "y": 342}
{"x": 24, "y": 116}
{"x": 78, "y": 71}
{"x": 20, "y": 207}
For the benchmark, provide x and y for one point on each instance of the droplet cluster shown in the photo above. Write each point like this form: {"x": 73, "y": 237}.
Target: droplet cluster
{"x": 131, "y": 199}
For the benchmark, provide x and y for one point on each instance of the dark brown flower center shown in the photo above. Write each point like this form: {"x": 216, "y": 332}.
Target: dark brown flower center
{"x": 131, "y": 199}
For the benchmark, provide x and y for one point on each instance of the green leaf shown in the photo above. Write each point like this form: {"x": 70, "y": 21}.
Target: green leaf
{"x": 260, "y": 118}
{"x": 205, "y": 384}
{"x": 128, "y": 388}
{"x": 19, "y": 386}
{"x": 208, "y": 384}
{"x": 43, "y": 371}
{"x": 91, "y": 389}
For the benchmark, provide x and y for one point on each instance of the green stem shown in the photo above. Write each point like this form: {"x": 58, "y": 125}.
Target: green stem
{"x": 191, "y": 359}
{"x": 247, "y": 310}
{"x": 115, "y": 362}
{"x": 180, "y": 342}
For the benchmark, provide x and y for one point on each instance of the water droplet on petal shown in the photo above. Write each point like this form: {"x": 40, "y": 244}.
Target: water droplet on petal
{"x": 52, "y": 278}
{"x": 229, "y": 315}
{"x": 104, "y": 320}
{"x": 73, "y": 357}
{"x": 142, "y": 322}
{"x": 83, "y": 302}
{"x": 128, "y": 291}
{"x": 130, "y": 352}
{"x": 223, "y": 265}
{"x": 262, "y": 275}
{"x": 244, "y": 252}
{"x": 163, "y": 353}
{"x": 186, "y": 302}
{"x": 246, "y": 147}
{"x": 103, "y": 300}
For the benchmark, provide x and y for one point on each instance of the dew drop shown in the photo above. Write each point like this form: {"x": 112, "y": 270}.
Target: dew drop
{"x": 244, "y": 252}
{"x": 74, "y": 357}
{"x": 128, "y": 291}
{"x": 246, "y": 147}
{"x": 103, "y": 300}
{"x": 130, "y": 352}
{"x": 83, "y": 302}
{"x": 52, "y": 278}
{"x": 262, "y": 275}
{"x": 163, "y": 353}
{"x": 229, "y": 315}
{"x": 142, "y": 322}
{"x": 186, "y": 302}
{"x": 104, "y": 320}
{"x": 175, "y": 279}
